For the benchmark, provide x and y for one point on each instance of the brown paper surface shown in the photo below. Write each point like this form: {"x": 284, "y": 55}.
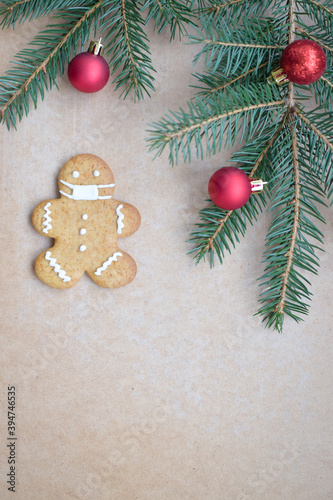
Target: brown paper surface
{"x": 168, "y": 388}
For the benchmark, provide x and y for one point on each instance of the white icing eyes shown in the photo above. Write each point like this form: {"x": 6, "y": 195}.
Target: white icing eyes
{"x": 76, "y": 174}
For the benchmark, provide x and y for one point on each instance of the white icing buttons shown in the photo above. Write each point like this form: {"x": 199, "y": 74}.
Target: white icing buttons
{"x": 75, "y": 174}
{"x": 83, "y": 248}
{"x": 84, "y": 216}
{"x": 83, "y": 231}
{"x": 96, "y": 173}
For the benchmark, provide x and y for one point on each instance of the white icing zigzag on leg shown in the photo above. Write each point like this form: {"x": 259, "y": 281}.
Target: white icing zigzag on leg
{"x": 47, "y": 218}
{"x": 121, "y": 216}
{"x": 57, "y": 268}
{"x": 111, "y": 259}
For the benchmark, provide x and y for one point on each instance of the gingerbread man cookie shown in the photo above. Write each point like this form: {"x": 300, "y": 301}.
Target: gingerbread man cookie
{"x": 85, "y": 223}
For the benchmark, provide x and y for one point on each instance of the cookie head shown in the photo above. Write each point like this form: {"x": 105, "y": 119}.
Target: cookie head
{"x": 86, "y": 177}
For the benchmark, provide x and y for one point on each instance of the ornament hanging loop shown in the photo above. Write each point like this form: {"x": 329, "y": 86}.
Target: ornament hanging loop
{"x": 96, "y": 47}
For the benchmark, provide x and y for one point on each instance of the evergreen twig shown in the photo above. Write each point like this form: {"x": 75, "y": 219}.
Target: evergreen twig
{"x": 53, "y": 46}
{"x": 120, "y": 22}
{"x": 292, "y": 148}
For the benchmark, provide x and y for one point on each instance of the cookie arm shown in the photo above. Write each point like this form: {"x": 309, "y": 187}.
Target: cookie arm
{"x": 43, "y": 217}
{"x": 128, "y": 219}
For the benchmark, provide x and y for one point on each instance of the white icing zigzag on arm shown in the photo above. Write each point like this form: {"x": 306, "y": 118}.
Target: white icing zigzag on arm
{"x": 121, "y": 216}
{"x": 111, "y": 259}
{"x": 57, "y": 268}
{"x": 47, "y": 218}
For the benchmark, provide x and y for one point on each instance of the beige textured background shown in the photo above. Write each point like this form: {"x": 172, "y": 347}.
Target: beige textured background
{"x": 167, "y": 389}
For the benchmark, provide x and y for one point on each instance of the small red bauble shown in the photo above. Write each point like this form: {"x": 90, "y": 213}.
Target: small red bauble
{"x": 303, "y": 62}
{"x": 229, "y": 188}
{"x": 89, "y": 72}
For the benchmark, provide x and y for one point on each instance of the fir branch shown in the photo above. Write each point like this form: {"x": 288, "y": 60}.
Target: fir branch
{"x": 316, "y": 140}
{"x": 293, "y": 149}
{"x": 211, "y": 119}
{"x": 241, "y": 45}
{"x": 222, "y": 222}
{"x": 127, "y": 44}
{"x": 292, "y": 20}
{"x": 290, "y": 240}
{"x": 35, "y": 69}
{"x": 209, "y": 237}
{"x": 250, "y": 8}
{"x": 287, "y": 251}
{"x": 320, "y": 13}
{"x": 27, "y": 78}
{"x": 28, "y": 10}
{"x": 202, "y": 124}
{"x": 319, "y": 6}
{"x": 218, "y": 8}
{"x": 224, "y": 44}
{"x": 308, "y": 34}
{"x": 220, "y": 229}
{"x": 279, "y": 309}
{"x": 267, "y": 147}
{"x": 323, "y": 79}
{"x": 169, "y": 12}
{"x": 214, "y": 80}
{"x": 311, "y": 125}
{"x": 323, "y": 91}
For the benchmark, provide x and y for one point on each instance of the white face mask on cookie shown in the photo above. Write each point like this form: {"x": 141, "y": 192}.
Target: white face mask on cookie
{"x": 85, "y": 192}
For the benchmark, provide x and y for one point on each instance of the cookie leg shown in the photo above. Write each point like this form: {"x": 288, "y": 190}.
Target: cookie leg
{"x": 56, "y": 271}
{"x": 117, "y": 270}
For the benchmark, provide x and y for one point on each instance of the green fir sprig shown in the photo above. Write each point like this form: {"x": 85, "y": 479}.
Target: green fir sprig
{"x": 121, "y": 24}
{"x": 285, "y": 142}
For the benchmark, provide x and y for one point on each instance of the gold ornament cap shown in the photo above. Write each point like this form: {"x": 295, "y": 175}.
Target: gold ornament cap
{"x": 278, "y": 76}
{"x": 96, "y": 47}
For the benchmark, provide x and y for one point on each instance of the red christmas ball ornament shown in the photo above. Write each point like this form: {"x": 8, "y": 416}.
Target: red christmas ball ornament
{"x": 89, "y": 72}
{"x": 230, "y": 188}
{"x": 302, "y": 62}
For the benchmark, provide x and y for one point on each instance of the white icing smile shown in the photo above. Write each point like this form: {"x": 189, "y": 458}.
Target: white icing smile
{"x": 85, "y": 192}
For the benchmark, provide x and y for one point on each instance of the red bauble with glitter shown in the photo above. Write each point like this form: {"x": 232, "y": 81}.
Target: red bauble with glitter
{"x": 89, "y": 72}
{"x": 229, "y": 188}
{"x": 303, "y": 62}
